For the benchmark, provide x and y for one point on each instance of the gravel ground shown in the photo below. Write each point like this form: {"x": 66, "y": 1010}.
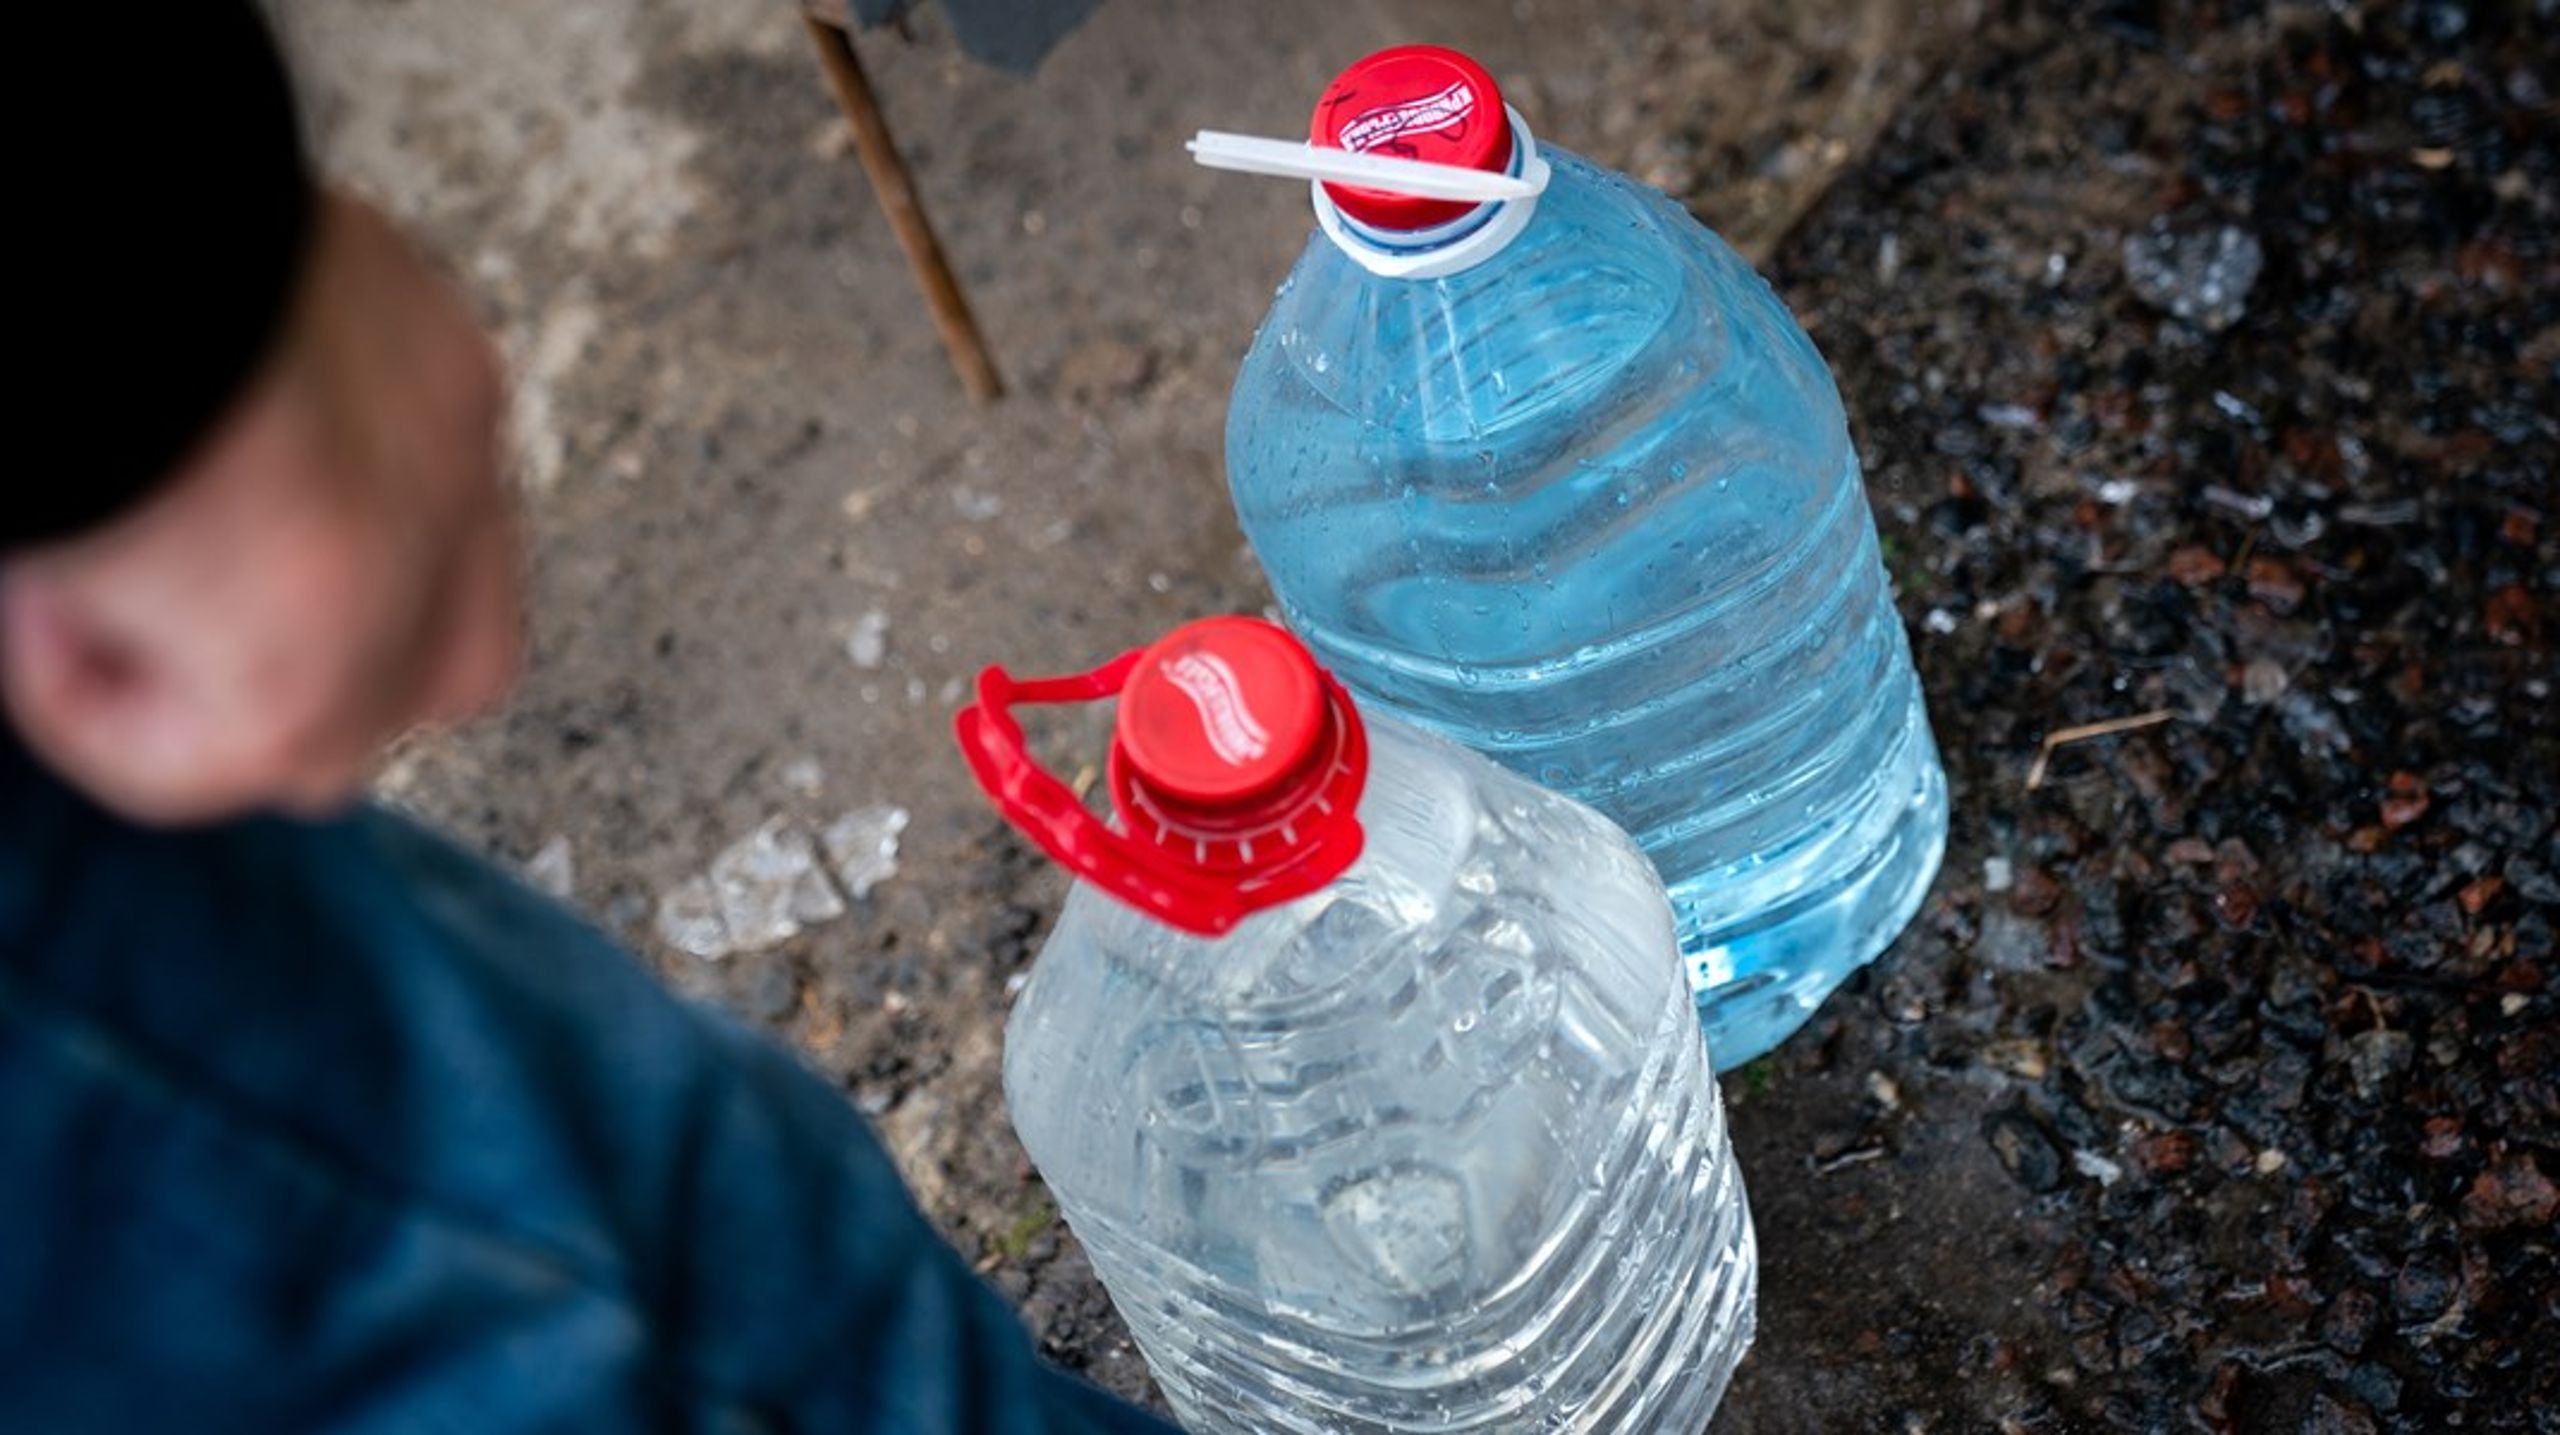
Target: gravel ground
{"x": 2220, "y": 1085}
{"x": 2203, "y": 357}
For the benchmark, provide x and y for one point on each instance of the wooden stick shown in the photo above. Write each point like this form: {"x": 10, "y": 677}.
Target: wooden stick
{"x": 899, "y": 201}
{"x": 2069, "y": 735}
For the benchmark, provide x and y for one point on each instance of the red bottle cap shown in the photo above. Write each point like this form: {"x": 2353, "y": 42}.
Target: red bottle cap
{"x": 1221, "y": 712}
{"x": 1415, "y": 102}
{"x": 1236, "y": 771}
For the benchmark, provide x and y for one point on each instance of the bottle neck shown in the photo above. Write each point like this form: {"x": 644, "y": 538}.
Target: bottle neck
{"x": 1418, "y": 241}
{"x": 1444, "y": 249}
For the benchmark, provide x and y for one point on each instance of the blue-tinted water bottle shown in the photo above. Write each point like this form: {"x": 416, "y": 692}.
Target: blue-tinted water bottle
{"x": 1561, "y": 478}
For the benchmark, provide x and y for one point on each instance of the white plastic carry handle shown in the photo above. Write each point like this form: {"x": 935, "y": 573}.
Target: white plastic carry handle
{"x": 1290, "y": 159}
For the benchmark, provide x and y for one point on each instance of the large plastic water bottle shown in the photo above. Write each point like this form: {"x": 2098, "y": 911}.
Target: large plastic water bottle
{"x": 1561, "y": 478}
{"x": 1363, "y": 1068}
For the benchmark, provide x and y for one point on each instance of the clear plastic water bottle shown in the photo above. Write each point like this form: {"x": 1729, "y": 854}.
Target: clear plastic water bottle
{"x": 1363, "y": 1068}
{"x": 1561, "y": 478}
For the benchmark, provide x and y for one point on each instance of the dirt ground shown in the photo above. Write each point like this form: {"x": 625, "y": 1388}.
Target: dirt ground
{"x": 2218, "y": 1086}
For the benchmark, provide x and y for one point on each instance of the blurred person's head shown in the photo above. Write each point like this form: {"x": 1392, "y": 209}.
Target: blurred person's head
{"x": 331, "y": 561}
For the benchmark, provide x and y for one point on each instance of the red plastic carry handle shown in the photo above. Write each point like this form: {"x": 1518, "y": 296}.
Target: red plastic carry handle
{"x": 1158, "y": 878}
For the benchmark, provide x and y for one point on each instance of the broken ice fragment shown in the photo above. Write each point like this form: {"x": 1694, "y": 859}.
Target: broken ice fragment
{"x": 867, "y": 642}
{"x": 689, "y": 919}
{"x": 770, "y": 887}
{"x": 863, "y": 846}
{"x": 553, "y": 869}
{"x": 804, "y": 776}
{"x": 2096, "y": 1167}
{"x": 2201, "y": 276}
{"x": 764, "y": 889}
